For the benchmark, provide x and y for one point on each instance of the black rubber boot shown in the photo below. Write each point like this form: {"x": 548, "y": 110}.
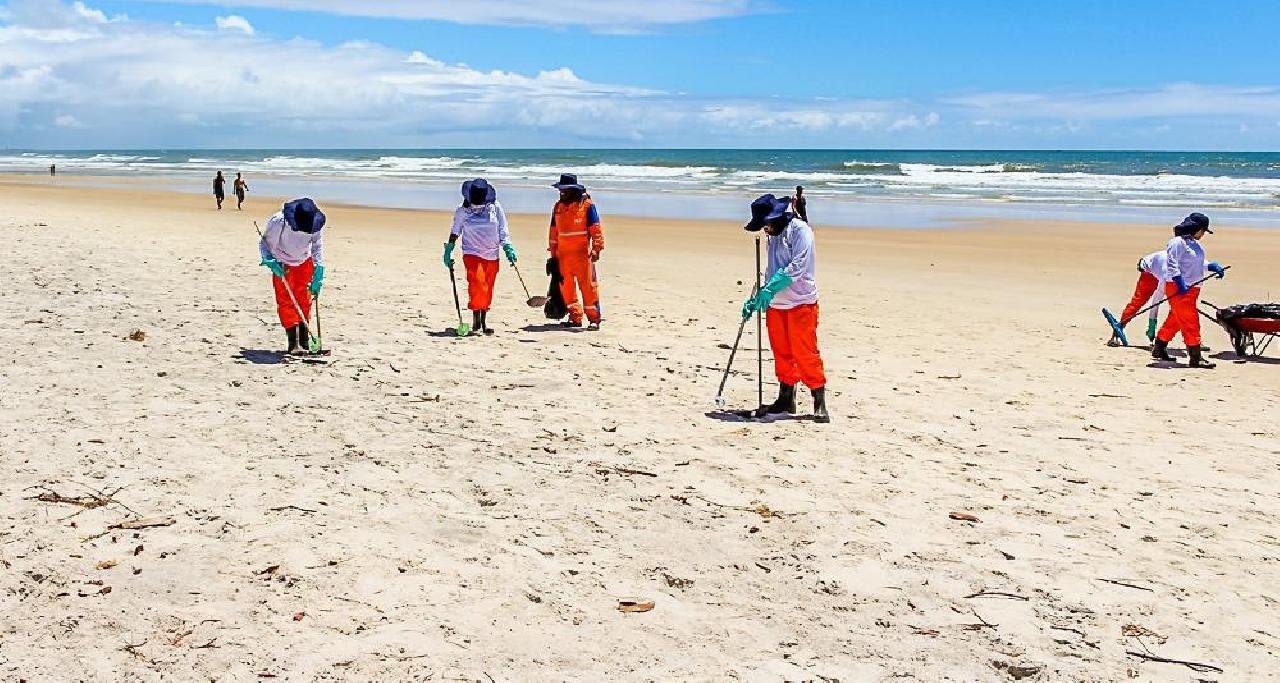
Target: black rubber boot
{"x": 304, "y": 340}
{"x": 820, "y": 414}
{"x": 484, "y": 323}
{"x": 1197, "y": 358}
{"x": 477, "y": 323}
{"x": 786, "y": 403}
{"x": 1160, "y": 350}
{"x": 292, "y": 334}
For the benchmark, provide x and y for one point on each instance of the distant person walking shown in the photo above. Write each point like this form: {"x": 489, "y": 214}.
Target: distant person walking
{"x": 219, "y": 189}
{"x": 240, "y": 187}
{"x": 53, "y": 170}
{"x": 800, "y": 204}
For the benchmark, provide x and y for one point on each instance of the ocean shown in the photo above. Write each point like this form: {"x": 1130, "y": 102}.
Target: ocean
{"x": 845, "y": 187}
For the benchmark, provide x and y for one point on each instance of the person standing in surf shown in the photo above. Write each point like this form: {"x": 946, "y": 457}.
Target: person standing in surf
{"x": 292, "y": 248}
{"x": 219, "y": 189}
{"x": 240, "y": 187}
{"x": 790, "y": 297}
{"x": 800, "y": 204}
{"x": 481, "y": 224}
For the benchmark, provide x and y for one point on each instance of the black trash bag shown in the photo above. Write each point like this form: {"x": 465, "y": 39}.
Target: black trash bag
{"x": 1230, "y": 313}
{"x": 555, "y": 308}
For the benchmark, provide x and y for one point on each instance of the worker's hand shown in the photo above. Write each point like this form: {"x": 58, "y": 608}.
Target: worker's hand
{"x": 1181, "y": 285}
{"x": 274, "y": 266}
{"x": 749, "y": 307}
{"x": 1151, "y": 329}
{"x": 510, "y": 251}
{"x": 1217, "y": 269}
{"x": 317, "y": 280}
{"x": 448, "y": 255}
{"x": 595, "y": 255}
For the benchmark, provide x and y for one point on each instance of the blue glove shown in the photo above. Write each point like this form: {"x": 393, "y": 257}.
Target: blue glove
{"x": 448, "y": 254}
{"x": 510, "y": 251}
{"x": 1217, "y": 269}
{"x": 1182, "y": 285}
{"x": 760, "y": 301}
{"x": 274, "y": 266}
{"x": 317, "y": 280}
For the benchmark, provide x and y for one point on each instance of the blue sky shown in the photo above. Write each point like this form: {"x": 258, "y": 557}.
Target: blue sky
{"x": 766, "y": 73}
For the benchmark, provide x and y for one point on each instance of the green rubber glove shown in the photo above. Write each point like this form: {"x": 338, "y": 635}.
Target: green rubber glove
{"x": 510, "y": 251}
{"x": 274, "y": 266}
{"x": 777, "y": 283}
{"x": 760, "y": 301}
{"x": 317, "y": 280}
{"x": 1151, "y": 329}
{"x": 448, "y": 254}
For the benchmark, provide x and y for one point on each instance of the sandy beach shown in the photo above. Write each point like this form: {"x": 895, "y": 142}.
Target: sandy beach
{"x": 423, "y": 507}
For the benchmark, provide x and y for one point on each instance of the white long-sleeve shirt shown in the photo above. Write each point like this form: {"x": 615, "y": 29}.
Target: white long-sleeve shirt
{"x": 483, "y": 229}
{"x": 290, "y": 247}
{"x": 1185, "y": 258}
{"x": 792, "y": 252}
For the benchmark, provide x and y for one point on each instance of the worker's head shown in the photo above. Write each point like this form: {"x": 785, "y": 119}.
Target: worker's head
{"x": 570, "y": 189}
{"x": 799, "y": 190}
{"x": 1195, "y": 226}
{"x": 770, "y": 213}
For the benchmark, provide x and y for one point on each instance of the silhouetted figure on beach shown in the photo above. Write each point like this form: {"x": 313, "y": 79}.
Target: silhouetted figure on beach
{"x": 53, "y": 170}
{"x": 240, "y": 187}
{"x": 219, "y": 189}
{"x": 798, "y": 204}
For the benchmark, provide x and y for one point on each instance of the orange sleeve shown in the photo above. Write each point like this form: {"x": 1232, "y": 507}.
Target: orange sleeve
{"x": 551, "y": 234}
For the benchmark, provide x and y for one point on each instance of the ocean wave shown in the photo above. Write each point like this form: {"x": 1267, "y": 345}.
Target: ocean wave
{"x": 871, "y": 168}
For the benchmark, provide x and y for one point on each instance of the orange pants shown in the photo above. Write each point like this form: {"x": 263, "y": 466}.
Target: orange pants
{"x": 481, "y": 274}
{"x": 1147, "y": 284}
{"x": 298, "y": 280}
{"x": 793, "y": 334}
{"x": 579, "y": 273}
{"x": 1183, "y": 317}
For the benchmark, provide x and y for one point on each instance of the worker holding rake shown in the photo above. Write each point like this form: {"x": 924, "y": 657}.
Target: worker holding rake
{"x": 481, "y": 225}
{"x": 790, "y": 295}
{"x": 292, "y": 248}
{"x": 1185, "y": 267}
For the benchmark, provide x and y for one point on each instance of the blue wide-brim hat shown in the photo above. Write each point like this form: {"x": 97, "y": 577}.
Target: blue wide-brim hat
{"x": 1192, "y": 224}
{"x": 479, "y": 185}
{"x": 568, "y": 181}
{"x": 303, "y": 215}
{"x": 766, "y": 209}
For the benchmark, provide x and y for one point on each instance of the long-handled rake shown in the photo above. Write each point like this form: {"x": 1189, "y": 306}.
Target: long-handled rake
{"x": 728, "y": 367}
{"x": 464, "y": 328}
{"x": 1117, "y": 325}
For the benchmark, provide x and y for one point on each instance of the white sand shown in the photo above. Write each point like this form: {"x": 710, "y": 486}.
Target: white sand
{"x": 452, "y": 509}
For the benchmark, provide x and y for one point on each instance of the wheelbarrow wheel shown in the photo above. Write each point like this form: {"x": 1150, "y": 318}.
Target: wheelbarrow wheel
{"x": 1240, "y": 341}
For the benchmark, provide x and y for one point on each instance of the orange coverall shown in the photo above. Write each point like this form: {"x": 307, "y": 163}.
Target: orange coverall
{"x": 575, "y": 239}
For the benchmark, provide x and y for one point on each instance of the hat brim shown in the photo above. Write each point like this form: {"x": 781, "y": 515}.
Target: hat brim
{"x": 565, "y": 186}
{"x": 754, "y": 225}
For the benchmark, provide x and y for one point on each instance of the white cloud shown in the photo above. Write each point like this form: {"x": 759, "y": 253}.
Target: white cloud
{"x": 234, "y": 22}
{"x": 600, "y": 15}
{"x": 67, "y": 121}
{"x": 140, "y": 84}
{"x": 1173, "y": 100}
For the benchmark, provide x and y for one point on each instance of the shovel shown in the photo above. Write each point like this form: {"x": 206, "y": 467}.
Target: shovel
{"x": 533, "y": 301}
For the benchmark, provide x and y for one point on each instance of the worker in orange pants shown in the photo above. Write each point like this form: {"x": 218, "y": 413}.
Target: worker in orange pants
{"x": 1150, "y": 275}
{"x": 790, "y": 295}
{"x": 481, "y": 225}
{"x": 1185, "y": 264}
{"x": 575, "y": 240}
{"x": 292, "y": 248}
{"x": 793, "y": 336}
